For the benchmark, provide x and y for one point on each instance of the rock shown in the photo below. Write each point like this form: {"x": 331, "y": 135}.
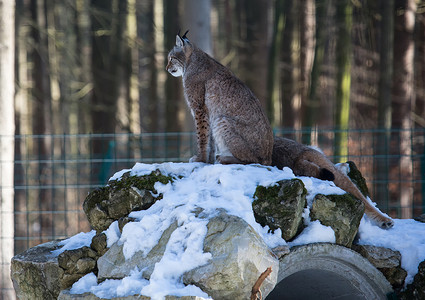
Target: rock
{"x": 116, "y": 200}
{"x": 113, "y": 265}
{"x": 385, "y": 260}
{"x": 36, "y": 274}
{"x": 341, "y": 212}
{"x": 239, "y": 256}
{"x": 281, "y": 251}
{"x": 281, "y": 206}
{"x": 420, "y": 218}
{"x": 357, "y": 178}
{"x": 415, "y": 290}
{"x": 76, "y": 263}
{"x": 99, "y": 244}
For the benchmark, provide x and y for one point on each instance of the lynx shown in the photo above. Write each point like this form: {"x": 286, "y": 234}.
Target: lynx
{"x": 306, "y": 161}
{"x": 231, "y": 127}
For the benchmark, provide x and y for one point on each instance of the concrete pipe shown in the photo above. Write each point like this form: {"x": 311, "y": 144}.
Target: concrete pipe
{"x": 328, "y": 271}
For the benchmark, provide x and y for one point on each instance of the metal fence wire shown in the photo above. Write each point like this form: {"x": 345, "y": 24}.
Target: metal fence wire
{"x": 54, "y": 173}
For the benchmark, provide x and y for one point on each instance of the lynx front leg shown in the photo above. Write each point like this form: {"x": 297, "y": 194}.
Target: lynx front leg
{"x": 202, "y": 136}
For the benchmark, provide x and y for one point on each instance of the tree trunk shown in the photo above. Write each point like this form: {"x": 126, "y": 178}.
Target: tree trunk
{"x": 7, "y": 131}
{"x": 312, "y": 104}
{"x": 253, "y": 48}
{"x": 107, "y": 32}
{"x": 42, "y": 118}
{"x": 384, "y": 102}
{"x": 289, "y": 75}
{"x": 273, "y": 70}
{"x": 343, "y": 61}
{"x": 403, "y": 98}
{"x": 148, "y": 77}
{"x": 307, "y": 46}
{"x": 174, "y": 103}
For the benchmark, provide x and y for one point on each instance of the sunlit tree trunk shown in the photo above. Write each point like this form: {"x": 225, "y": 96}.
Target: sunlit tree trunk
{"x": 7, "y": 131}
{"x": 343, "y": 80}
{"x": 404, "y": 97}
{"x": 312, "y": 106}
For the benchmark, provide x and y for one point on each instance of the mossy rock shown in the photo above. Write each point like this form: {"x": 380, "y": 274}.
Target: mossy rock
{"x": 281, "y": 206}
{"x": 120, "y": 197}
{"x": 341, "y": 212}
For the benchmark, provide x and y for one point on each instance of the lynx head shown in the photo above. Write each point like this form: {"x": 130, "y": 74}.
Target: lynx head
{"x": 179, "y": 55}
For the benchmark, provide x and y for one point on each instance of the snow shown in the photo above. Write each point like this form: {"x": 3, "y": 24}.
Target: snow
{"x": 190, "y": 200}
{"x": 77, "y": 241}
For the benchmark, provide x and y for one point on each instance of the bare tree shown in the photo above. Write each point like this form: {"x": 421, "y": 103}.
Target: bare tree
{"x": 384, "y": 100}
{"x": 7, "y": 131}
{"x": 403, "y": 98}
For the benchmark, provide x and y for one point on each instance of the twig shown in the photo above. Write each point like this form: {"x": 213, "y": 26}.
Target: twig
{"x": 256, "y": 288}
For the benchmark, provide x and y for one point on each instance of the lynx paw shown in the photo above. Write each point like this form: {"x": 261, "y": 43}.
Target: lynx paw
{"x": 196, "y": 158}
{"x": 227, "y": 160}
{"x": 387, "y": 224}
{"x": 384, "y": 222}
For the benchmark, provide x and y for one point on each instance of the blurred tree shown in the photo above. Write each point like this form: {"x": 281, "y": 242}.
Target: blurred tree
{"x": 7, "y": 131}
{"x": 403, "y": 98}
{"x": 253, "y": 45}
{"x": 307, "y": 50}
{"x": 173, "y": 86}
{"x": 290, "y": 68}
{"x": 148, "y": 83}
{"x": 312, "y": 103}
{"x": 274, "y": 59}
{"x": 386, "y": 48}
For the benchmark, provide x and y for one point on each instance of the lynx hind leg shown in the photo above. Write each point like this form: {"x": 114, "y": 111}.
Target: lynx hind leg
{"x": 231, "y": 148}
{"x": 373, "y": 213}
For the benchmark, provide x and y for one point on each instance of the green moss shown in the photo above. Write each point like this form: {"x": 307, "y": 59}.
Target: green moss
{"x": 145, "y": 182}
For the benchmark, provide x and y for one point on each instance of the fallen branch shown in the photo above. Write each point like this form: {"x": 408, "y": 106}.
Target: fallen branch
{"x": 256, "y": 288}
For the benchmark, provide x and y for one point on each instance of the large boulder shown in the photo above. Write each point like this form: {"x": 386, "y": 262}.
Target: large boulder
{"x": 341, "y": 212}
{"x": 66, "y": 295}
{"x": 281, "y": 206}
{"x": 120, "y": 197}
{"x": 113, "y": 265}
{"x": 36, "y": 274}
{"x": 239, "y": 256}
{"x": 385, "y": 260}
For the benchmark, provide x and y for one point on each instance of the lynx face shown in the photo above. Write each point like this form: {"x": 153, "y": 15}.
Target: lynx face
{"x": 174, "y": 66}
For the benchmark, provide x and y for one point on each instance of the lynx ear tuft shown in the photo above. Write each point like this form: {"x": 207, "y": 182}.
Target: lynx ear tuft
{"x": 184, "y": 37}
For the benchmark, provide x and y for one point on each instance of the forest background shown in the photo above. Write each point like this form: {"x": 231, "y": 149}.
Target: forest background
{"x": 346, "y": 75}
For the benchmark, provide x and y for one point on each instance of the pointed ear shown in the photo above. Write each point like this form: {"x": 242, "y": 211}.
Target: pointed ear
{"x": 179, "y": 41}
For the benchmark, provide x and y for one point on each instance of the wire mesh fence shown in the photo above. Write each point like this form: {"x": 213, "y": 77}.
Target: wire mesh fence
{"x": 54, "y": 173}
